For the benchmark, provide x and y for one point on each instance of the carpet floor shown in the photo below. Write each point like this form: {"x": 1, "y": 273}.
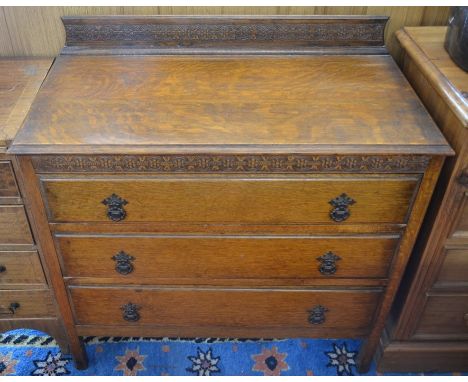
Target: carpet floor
{"x": 28, "y": 352}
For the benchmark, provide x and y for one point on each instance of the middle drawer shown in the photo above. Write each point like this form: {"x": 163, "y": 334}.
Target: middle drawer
{"x": 140, "y": 257}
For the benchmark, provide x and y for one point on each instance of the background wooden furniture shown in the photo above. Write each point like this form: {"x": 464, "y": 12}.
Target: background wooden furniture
{"x": 26, "y": 300}
{"x": 38, "y": 31}
{"x": 429, "y": 326}
{"x": 157, "y": 138}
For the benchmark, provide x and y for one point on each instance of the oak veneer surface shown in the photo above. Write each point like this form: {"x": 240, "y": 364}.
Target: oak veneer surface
{"x": 139, "y": 103}
{"x": 225, "y": 256}
{"x": 20, "y": 80}
{"x": 265, "y": 200}
{"x": 351, "y": 309}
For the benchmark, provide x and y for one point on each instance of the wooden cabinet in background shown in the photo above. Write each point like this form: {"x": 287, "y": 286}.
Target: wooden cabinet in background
{"x": 428, "y": 329}
{"x": 26, "y": 299}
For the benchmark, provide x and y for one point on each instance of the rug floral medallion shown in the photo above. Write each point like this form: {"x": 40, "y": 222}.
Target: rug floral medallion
{"x": 28, "y": 352}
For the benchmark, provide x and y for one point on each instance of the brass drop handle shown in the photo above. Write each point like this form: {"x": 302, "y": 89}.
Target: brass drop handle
{"x": 115, "y": 210}
{"x": 124, "y": 264}
{"x": 11, "y": 310}
{"x": 130, "y": 312}
{"x": 317, "y": 315}
{"x": 327, "y": 265}
{"x": 340, "y": 210}
{"x": 2, "y": 268}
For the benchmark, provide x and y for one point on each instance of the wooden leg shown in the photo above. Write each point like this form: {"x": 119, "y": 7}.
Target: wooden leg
{"x": 79, "y": 355}
{"x": 364, "y": 361}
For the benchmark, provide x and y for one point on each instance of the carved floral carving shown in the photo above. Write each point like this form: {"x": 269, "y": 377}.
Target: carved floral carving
{"x": 204, "y": 163}
{"x": 219, "y": 32}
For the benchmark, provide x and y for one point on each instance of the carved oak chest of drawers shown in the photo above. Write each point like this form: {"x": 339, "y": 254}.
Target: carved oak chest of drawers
{"x": 26, "y": 300}
{"x": 225, "y": 177}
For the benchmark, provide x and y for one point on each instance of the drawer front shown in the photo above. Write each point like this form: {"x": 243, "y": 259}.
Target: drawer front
{"x": 455, "y": 267}
{"x": 224, "y": 307}
{"x": 16, "y": 304}
{"x": 20, "y": 267}
{"x": 461, "y": 226}
{"x": 445, "y": 315}
{"x": 14, "y": 226}
{"x": 8, "y": 187}
{"x": 235, "y": 257}
{"x": 384, "y": 199}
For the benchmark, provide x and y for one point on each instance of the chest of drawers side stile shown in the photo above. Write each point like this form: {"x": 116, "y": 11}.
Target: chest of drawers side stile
{"x": 227, "y": 136}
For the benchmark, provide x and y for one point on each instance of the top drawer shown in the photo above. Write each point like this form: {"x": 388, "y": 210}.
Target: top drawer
{"x": 215, "y": 199}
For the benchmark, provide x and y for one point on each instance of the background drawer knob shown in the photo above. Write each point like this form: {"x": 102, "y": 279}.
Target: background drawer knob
{"x": 463, "y": 177}
{"x": 340, "y": 209}
{"x": 130, "y": 312}
{"x": 115, "y": 210}
{"x": 123, "y": 264}
{"x": 328, "y": 263}
{"x": 317, "y": 315}
{"x": 2, "y": 268}
{"x": 14, "y": 306}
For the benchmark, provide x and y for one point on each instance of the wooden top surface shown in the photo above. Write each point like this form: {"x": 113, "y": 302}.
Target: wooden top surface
{"x": 161, "y": 104}
{"x": 426, "y": 46}
{"x": 20, "y": 80}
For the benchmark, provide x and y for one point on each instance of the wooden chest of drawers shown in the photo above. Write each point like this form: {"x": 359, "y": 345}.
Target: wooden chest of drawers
{"x": 428, "y": 329}
{"x": 221, "y": 177}
{"x": 26, "y": 300}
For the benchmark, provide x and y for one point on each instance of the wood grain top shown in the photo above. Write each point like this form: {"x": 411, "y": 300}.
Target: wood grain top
{"x": 426, "y": 46}
{"x": 163, "y": 104}
{"x": 20, "y": 80}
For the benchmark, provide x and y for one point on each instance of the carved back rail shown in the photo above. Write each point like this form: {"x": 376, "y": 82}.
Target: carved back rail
{"x": 224, "y": 35}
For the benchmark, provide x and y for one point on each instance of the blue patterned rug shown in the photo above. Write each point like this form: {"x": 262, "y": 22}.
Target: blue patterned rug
{"x": 28, "y": 352}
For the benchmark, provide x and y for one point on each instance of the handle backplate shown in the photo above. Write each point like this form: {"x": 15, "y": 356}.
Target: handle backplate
{"x": 124, "y": 264}
{"x": 130, "y": 312}
{"x": 328, "y": 263}
{"x": 115, "y": 210}
{"x": 317, "y": 315}
{"x": 340, "y": 210}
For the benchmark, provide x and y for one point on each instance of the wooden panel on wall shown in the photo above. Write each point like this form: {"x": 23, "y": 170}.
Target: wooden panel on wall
{"x": 38, "y": 31}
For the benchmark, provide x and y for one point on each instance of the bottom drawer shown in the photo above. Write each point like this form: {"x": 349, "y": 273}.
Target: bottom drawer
{"x": 241, "y": 308}
{"x": 26, "y": 304}
{"x": 445, "y": 316}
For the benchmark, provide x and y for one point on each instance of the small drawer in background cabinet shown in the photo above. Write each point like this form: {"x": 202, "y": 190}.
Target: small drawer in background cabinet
{"x": 20, "y": 268}
{"x": 9, "y": 193}
{"x": 15, "y": 304}
{"x": 445, "y": 317}
{"x": 14, "y": 226}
